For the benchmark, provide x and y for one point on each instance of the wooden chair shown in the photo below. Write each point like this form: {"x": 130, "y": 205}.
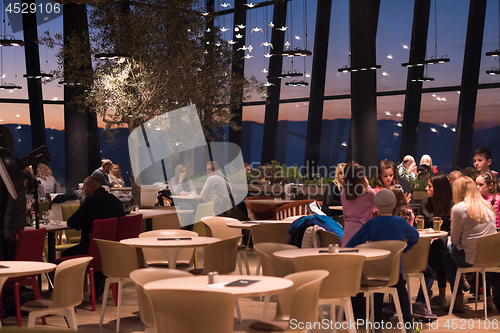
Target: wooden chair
{"x": 487, "y": 260}
{"x": 67, "y": 293}
{"x": 260, "y": 211}
{"x": 293, "y": 209}
{"x": 118, "y": 261}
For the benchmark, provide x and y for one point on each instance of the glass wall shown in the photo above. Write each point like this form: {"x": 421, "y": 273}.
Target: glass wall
{"x": 335, "y": 132}
{"x": 436, "y": 131}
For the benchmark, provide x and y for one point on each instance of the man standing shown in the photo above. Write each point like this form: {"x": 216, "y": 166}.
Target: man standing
{"x": 103, "y": 173}
{"x": 98, "y": 204}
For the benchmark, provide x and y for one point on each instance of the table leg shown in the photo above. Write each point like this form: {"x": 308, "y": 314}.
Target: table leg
{"x": 172, "y": 255}
{"x": 149, "y": 224}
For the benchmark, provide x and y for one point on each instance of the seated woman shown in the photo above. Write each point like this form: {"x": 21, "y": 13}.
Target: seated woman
{"x": 427, "y": 160}
{"x": 332, "y": 192}
{"x": 437, "y": 203}
{"x": 181, "y": 184}
{"x": 115, "y": 176}
{"x": 471, "y": 218}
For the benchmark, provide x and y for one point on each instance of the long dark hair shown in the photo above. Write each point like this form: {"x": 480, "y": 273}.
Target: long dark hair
{"x": 354, "y": 181}
{"x": 441, "y": 200}
{"x": 384, "y": 165}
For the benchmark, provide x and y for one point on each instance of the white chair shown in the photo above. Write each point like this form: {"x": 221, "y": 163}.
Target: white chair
{"x": 217, "y": 227}
{"x": 67, "y": 293}
{"x": 143, "y": 276}
{"x": 117, "y": 261}
{"x": 487, "y": 260}
{"x": 342, "y": 282}
{"x": 414, "y": 265}
{"x": 380, "y": 275}
{"x": 190, "y": 311}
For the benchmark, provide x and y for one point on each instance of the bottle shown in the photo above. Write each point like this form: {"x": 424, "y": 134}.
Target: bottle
{"x": 331, "y": 248}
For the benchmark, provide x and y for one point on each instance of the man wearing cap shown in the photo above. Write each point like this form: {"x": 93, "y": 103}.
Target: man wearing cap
{"x": 385, "y": 227}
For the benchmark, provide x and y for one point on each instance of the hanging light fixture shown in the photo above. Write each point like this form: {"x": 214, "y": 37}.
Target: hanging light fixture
{"x": 496, "y": 53}
{"x": 435, "y": 59}
{"x": 7, "y": 41}
{"x": 9, "y": 86}
{"x": 294, "y": 83}
{"x": 286, "y": 74}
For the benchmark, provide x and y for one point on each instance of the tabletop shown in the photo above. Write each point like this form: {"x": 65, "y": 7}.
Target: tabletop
{"x": 148, "y": 213}
{"x": 51, "y": 227}
{"x": 178, "y": 241}
{"x": 370, "y": 254}
{"x": 250, "y": 224}
{"x": 21, "y": 268}
{"x": 265, "y": 284}
{"x": 270, "y": 201}
{"x": 187, "y": 197}
{"x": 336, "y": 207}
{"x": 430, "y": 233}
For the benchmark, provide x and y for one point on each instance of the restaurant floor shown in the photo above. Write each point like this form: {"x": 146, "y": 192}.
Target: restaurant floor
{"x": 251, "y": 309}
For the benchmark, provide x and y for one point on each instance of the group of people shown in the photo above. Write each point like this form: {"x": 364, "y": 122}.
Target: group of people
{"x": 468, "y": 207}
{"x": 109, "y": 174}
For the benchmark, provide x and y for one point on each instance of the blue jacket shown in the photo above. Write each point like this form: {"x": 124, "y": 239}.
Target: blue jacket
{"x": 321, "y": 220}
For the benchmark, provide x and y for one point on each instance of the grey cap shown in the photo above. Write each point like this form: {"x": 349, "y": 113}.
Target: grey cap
{"x": 385, "y": 200}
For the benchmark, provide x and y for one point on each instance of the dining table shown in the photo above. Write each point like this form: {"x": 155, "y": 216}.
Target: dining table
{"x": 369, "y": 253}
{"x": 430, "y": 233}
{"x": 271, "y": 201}
{"x": 250, "y": 224}
{"x": 149, "y": 214}
{"x": 10, "y": 269}
{"x": 171, "y": 246}
{"x": 237, "y": 285}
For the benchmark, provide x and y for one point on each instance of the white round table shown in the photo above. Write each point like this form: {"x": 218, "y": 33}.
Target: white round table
{"x": 171, "y": 246}
{"x": 370, "y": 254}
{"x": 265, "y": 285}
{"x": 432, "y": 234}
{"x": 10, "y": 269}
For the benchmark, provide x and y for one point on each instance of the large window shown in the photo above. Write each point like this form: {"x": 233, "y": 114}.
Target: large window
{"x": 292, "y": 130}
{"x": 436, "y": 131}
{"x": 389, "y": 125}
{"x": 335, "y": 132}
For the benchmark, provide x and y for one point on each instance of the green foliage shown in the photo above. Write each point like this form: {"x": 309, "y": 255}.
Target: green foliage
{"x": 177, "y": 59}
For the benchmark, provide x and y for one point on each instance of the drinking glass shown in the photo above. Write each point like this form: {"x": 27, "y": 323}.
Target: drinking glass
{"x": 45, "y": 218}
{"x": 420, "y": 222}
{"x": 436, "y": 223}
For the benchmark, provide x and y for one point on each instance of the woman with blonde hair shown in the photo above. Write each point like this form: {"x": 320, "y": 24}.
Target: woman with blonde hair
{"x": 333, "y": 191}
{"x": 472, "y": 217}
{"x": 427, "y": 160}
{"x": 115, "y": 176}
{"x": 47, "y": 181}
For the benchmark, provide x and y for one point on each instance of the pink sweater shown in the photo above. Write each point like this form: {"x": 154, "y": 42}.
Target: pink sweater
{"x": 356, "y": 213}
{"x": 496, "y": 205}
